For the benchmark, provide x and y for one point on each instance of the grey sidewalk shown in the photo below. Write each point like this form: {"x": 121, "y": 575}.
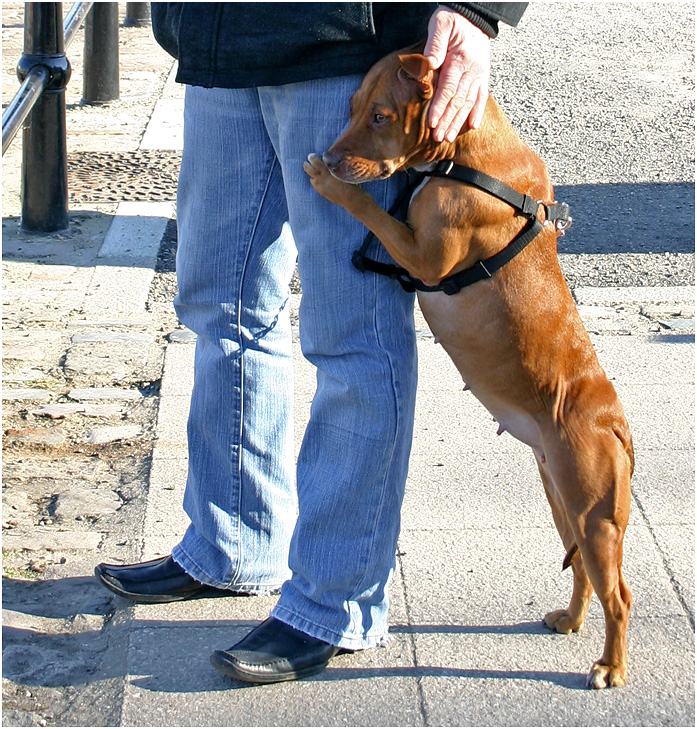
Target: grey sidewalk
{"x": 479, "y": 561}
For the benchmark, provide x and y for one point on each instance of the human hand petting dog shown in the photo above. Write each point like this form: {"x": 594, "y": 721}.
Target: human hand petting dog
{"x": 462, "y": 52}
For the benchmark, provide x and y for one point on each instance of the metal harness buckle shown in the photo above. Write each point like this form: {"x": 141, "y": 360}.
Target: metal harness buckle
{"x": 561, "y": 225}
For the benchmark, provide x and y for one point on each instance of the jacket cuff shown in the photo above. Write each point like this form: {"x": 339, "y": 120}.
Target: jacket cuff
{"x": 489, "y": 25}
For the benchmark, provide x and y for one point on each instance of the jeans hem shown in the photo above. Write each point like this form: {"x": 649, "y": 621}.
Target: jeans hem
{"x": 193, "y": 570}
{"x": 341, "y": 640}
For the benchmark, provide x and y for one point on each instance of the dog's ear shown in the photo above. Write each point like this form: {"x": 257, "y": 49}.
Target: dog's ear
{"x": 414, "y": 69}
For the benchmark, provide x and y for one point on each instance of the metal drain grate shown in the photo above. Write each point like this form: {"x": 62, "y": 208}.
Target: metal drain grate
{"x": 143, "y": 175}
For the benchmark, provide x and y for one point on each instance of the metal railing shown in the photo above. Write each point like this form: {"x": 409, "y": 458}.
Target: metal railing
{"x": 39, "y": 104}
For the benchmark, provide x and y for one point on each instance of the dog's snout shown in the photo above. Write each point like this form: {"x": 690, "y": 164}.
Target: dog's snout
{"x": 332, "y": 159}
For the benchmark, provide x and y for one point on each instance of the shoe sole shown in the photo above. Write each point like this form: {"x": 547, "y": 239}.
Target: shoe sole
{"x": 221, "y": 662}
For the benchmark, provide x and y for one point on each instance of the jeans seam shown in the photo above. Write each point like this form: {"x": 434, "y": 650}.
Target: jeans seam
{"x": 381, "y": 501}
{"x": 250, "y": 239}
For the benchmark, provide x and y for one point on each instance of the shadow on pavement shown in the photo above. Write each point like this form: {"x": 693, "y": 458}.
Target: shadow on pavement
{"x": 72, "y": 632}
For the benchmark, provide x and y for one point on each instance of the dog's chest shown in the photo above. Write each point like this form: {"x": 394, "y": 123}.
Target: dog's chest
{"x": 471, "y": 335}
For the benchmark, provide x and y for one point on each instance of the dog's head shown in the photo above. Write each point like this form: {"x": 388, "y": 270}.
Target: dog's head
{"x": 388, "y": 120}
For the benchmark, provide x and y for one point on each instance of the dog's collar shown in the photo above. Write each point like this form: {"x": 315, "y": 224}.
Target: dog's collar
{"x": 555, "y": 213}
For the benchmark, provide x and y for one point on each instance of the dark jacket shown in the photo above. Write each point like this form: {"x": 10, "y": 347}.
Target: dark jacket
{"x": 245, "y": 44}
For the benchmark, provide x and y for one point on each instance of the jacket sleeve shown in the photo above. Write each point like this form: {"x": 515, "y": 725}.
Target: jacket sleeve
{"x": 486, "y": 16}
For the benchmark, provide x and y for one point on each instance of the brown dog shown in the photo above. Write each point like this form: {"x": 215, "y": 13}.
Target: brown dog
{"x": 516, "y": 337}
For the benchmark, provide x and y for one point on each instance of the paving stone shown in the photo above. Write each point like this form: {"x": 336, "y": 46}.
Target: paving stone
{"x": 33, "y": 394}
{"x": 131, "y": 321}
{"x": 52, "y": 273}
{"x": 51, "y": 540}
{"x": 23, "y": 376}
{"x": 104, "y": 393}
{"x": 182, "y": 336}
{"x": 17, "y": 509}
{"x": 103, "y": 411}
{"x": 31, "y": 346}
{"x": 36, "y": 436}
{"x": 58, "y": 410}
{"x": 111, "y": 433}
{"x": 82, "y": 503}
{"x": 111, "y": 359}
{"x": 61, "y": 410}
{"x": 107, "y": 336}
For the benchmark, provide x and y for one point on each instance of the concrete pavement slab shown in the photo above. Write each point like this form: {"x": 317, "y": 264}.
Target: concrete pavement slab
{"x": 166, "y": 127}
{"x": 171, "y": 422}
{"x": 677, "y": 546}
{"x": 135, "y": 233}
{"x": 528, "y": 676}
{"x": 646, "y": 360}
{"x": 178, "y": 374}
{"x": 606, "y": 295}
{"x": 249, "y": 610}
{"x": 480, "y": 576}
{"x": 171, "y": 683}
{"x": 664, "y": 486}
{"x": 659, "y": 417}
{"x": 165, "y": 519}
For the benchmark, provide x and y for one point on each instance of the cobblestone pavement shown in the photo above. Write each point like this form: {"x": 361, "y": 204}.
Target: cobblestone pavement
{"x": 81, "y": 381}
{"x": 97, "y": 373}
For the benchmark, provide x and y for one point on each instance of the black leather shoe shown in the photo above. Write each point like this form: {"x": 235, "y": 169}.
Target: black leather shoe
{"x": 159, "y": 580}
{"x": 274, "y": 652}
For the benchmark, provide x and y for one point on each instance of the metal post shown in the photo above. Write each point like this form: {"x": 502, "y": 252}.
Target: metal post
{"x": 44, "y": 149}
{"x": 101, "y": 73}
{"x": 137, "y": 15}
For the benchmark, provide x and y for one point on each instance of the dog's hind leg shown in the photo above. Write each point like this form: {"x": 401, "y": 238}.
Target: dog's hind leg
{"x": 571, "y": 619}
{"x": 594, "y": 486}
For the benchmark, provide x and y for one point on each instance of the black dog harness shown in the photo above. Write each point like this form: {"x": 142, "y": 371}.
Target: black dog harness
{"x": 556, "y": 213}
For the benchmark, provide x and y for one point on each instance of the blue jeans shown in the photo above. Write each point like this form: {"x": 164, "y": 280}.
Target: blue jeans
{"x": 241, "y": 182}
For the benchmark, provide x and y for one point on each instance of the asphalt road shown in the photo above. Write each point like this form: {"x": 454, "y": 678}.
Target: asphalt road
{"x": 605, "y": 94}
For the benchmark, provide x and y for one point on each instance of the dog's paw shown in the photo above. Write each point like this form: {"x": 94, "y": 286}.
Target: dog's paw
{"x": 602, "y": 676}
{"x": 562, "y": 621}
{"x": 335, "y": 190}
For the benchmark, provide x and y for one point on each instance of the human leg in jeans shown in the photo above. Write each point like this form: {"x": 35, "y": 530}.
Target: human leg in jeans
{"x": 358, "y": 331}
{"x": 235, "y": 260}
{"x": 234, "y": 265}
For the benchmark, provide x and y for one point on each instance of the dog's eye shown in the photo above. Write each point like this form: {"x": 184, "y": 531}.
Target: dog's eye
{"x": 379, "y": 118}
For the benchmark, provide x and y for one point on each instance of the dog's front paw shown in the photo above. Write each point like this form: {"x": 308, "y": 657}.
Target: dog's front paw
{"x": 335, "y": 190}
{"x": 562, "y": 621}
{"x": 602, "y": 676}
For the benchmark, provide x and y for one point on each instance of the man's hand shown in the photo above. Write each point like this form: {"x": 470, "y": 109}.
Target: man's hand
{"x": 462, "y": 53}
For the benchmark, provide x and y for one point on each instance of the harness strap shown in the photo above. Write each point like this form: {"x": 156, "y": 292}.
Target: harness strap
{"x": 524, "y": 204}
{"x": 556, "y": 213}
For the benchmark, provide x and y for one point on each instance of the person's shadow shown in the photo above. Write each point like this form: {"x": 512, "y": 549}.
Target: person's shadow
{"x": 72, "y": 632}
